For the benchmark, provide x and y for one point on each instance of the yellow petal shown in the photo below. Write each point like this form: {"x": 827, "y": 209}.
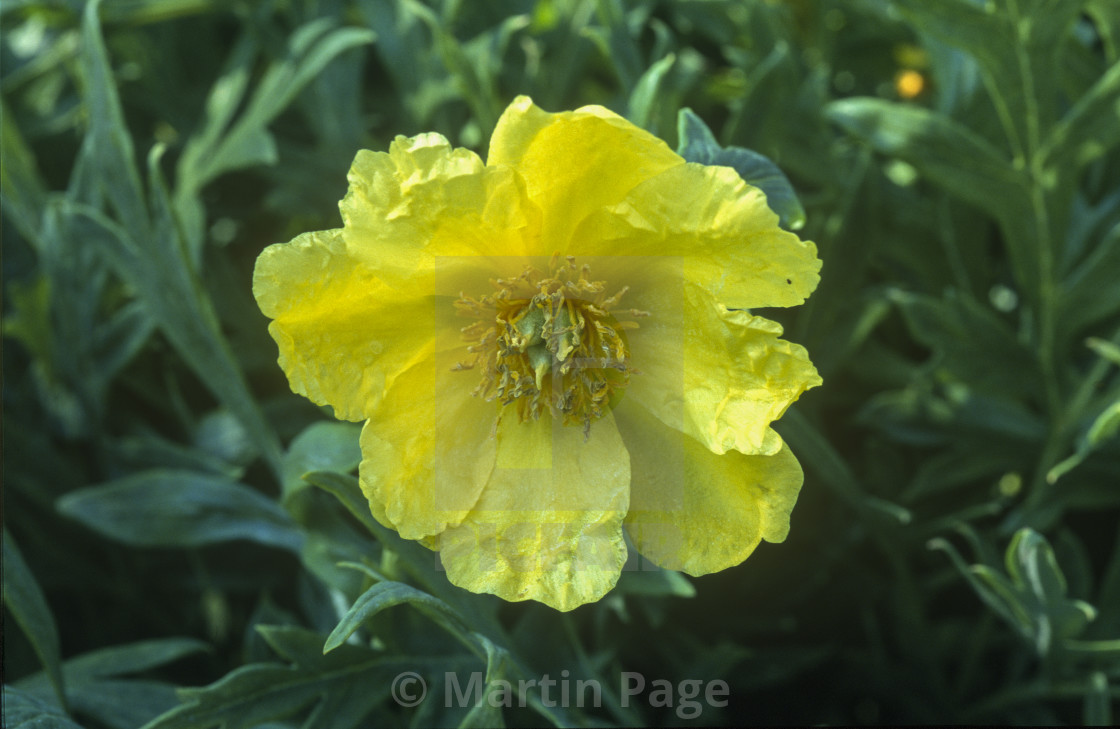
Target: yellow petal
{"x": 574, "y": 162}
{"x": 720, "y": 376}
{"x": 429, "y": 446}
{"x": 548, "y": 525}
{"x": 343, "y": 335}
{"x": 722, "y": 228}
{"x": 698, "y": 512}
{"x": 424, "y": 200}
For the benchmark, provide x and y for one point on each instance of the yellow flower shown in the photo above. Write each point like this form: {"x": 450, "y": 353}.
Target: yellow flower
{"x": 551, "y": 348}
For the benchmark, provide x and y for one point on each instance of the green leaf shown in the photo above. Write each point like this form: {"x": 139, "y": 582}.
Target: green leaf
{"x": 22, "y": 191}
{"x": 82, "y": 349}
{"x": 121, "y": 660}
{"x": 346, "y": 489}
{"x": 997, "y": 590}
{"x": 1030, "y": 562}
{"x": 344, "y": 686}
{"x": 977, "y": 346}
{"x": 1105, "y": 349}
{"x": 1092, "y": 127}
{"x": 76, "y": 290}
{"x": 302, "y": 647}
{"x": 1100, "y": 650}
{"x": 1016, "y": 44}
{"x": 245, "y": 698}
{"x": 473, "y": 66}
{"x": 698, "y": 144}
{"x": 654, "y": 583}
{"x": 1107, "y": 22}
{"x": 973, "y": 27}
{"x": 417, "y": 559}
{"x": 150, "y": 451}
{"x": 949, "y": 154}
{"x": 166, "y": 508}
{"x": 322, "y": 446}
{"x": 222, "y": 437}
{"x": 143, "y": 12}
{"x": 28, "y": 319}
{"x": 147, "y": 250}
{"x": 403, "y": 47}
{"x": 477, "y": 610}
{"x": 962, "y": 464}
{"x": 120, "y": 339}
{"x": 123, "y": 704}
{"x": 109, "y": 143}
{"x": 1033, "y": 598}
{"x": 819, "y": 456}
{"x": 991, "y": 587}
{"x": 1104, "y": 427}
{"x": 29, "y": 607}
{"x": 387, "y": 594}
{"x": 484, "y": 714}
{"x": 1097, "y": 708}
{"x": 93, "y": 686}
{"x": 1087, "y": 295}
{"x": 225, "y": 144}
{"x": 617, "y": 40}
{"x": 644, "y": 97}
{"x": 202, "y": 344}
{"x": 174, "y": 298}
{"x": 311, "y": 48}
{"x": 25, "y": 711}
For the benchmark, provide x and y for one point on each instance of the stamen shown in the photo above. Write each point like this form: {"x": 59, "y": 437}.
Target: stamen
{"x": 550, "y": 341}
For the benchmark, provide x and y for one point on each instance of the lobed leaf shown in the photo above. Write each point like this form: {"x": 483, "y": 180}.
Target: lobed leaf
{"x": 384, "y": 595}
{"x": 419, "y": 562}
{"x": 343, "y": 686}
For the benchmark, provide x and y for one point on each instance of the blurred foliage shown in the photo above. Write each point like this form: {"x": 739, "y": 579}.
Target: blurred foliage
{"x": 954, "y": 556}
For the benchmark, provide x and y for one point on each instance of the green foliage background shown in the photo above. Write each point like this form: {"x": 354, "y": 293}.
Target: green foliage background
{"x": 954, "y": 555}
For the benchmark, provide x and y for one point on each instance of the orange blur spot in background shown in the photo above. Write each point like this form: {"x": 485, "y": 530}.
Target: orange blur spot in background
{"x": 909, "y": 83}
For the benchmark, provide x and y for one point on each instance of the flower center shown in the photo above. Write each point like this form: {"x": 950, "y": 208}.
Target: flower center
{"x": 550, "y": 341}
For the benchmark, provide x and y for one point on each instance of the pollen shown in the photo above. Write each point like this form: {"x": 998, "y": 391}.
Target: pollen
{"x": 550, "y": 341}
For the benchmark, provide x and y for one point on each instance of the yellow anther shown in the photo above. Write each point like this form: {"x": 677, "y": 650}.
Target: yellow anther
{"x": 550, "y": 341}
